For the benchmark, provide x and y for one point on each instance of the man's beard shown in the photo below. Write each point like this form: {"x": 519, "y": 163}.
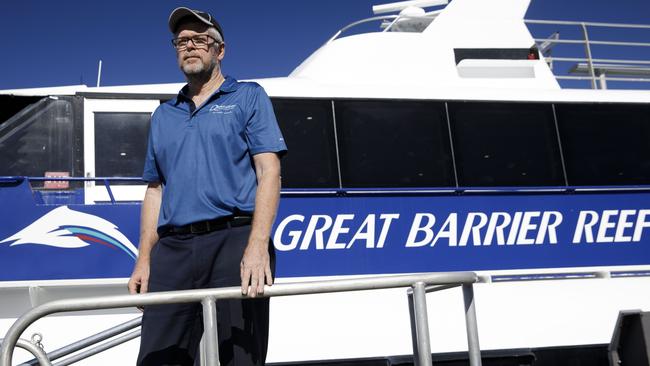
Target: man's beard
{"x": 199, "y": 71}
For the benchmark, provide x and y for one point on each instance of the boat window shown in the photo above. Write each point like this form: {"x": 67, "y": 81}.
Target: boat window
{"x": 605, "y": 144}
{"x": 393, "y": 144}
{"x": 505, "y": 144}
{"x": 12, "y": 104}
{"x": 461, "y": 54}
{"x": 308, "y": 131}
{"x": 120, "y": 143}
{"x": 39, "y": 139}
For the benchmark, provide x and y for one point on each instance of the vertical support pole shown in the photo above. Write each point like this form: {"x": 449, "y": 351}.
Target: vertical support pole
{"x": 414, "y": 336}
{"x": 421, "y": 324}
{"x": 603, "y": 80}
{"x": 203, "y": 353}
{"x": 210, "y": 339}
{"x": 110, "y": 192}
{"x": 472, "y": 329}
{"x": 590, "y": 62}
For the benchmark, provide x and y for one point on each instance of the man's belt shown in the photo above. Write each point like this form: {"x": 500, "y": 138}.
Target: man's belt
{"x": 207, "y": 226}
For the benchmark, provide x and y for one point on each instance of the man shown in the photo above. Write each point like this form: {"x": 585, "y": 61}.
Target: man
{"x": 214, "y": 180}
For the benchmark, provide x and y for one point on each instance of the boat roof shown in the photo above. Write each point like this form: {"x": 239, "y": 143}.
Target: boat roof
{"x": 463, "y": 51}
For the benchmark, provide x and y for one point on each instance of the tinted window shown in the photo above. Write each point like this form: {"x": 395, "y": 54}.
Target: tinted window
{"x": 120, "y": 143}
{"x": 308, "y": 131}
{"x": 394, "y": 144}
{"x": 39, "y": 139}
{"x": 12, "y": 104}
{"x": 605, "y": 144}
{"x": 505, "y": 144}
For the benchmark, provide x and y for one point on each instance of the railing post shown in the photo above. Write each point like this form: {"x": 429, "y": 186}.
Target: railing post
{"x": 202, "y": 350}
{"x": 110, "y": 192}
{"x": 472, "y": 329}
{"x": 210, "y": 338}
{"x": 590, "y": 62}
{"x": 414, "y": 335}
{"x": 421, "y": 325}
{"x": 603, "y": 80}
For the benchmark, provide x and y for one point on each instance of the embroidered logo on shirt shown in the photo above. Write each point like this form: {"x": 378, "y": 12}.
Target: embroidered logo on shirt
{"x": 223, "y": 109}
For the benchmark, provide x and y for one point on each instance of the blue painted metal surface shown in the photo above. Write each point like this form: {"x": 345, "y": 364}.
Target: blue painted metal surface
{"x": 352, "y": 232}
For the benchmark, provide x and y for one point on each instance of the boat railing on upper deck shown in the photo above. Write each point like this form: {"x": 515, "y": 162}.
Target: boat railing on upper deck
{"x": 597, "y": 70}
{"x": 107, "y": 182}
{"x": 389, "y": 23}
{"x": 418, "y": 284}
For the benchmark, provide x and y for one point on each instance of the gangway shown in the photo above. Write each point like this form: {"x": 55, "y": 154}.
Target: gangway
{"x": 418, "y": 285}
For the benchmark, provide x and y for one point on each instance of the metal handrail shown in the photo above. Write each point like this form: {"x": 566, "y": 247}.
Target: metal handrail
{"x": 33, "y": 349}
{"x": 84, "y": 179}
{"x": 100, "y": 348}
{"x": 605, "y": 43}
{"x": 353, "y": 24}
{"x": 89, "y": 341}
{"x": 393, "y": 18}
{"x": 609, "y": 60}
{"x": 609, "y": 78}
{"x": 388, "y": 190}
{"x": 105, "y": 180}
{"x": 346, "y": 191}
{"x": 208, "y": 297}
{"x": 590, "y": 24}
{"x": 587, "y": 43}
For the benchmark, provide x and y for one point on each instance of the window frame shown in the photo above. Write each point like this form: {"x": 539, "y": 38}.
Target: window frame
{"x": 444, "y": 136}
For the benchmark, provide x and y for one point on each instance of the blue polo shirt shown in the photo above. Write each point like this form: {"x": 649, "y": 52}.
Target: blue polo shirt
{"x": 204, "y": 156}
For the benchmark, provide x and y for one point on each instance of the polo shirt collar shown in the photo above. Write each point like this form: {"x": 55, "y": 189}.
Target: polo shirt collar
{"x": 229, "y": 85}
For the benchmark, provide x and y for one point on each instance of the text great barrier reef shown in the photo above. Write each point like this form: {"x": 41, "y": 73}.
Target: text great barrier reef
{"x": 475, "y": 228}
{"x": 374, "y": 234}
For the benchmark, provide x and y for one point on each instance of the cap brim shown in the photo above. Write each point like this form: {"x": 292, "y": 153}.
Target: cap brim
{"x": 180, "y": 13}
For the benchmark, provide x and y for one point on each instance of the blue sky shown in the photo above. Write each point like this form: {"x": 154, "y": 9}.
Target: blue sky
{"x": 52, "y": 43}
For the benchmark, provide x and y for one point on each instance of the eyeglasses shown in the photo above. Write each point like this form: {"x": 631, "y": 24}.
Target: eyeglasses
{"x": 199, "y": 41}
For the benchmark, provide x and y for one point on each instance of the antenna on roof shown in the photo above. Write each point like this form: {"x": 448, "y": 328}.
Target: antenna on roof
{"x": 401, "y": 5}
{"x": 99, "y": 73}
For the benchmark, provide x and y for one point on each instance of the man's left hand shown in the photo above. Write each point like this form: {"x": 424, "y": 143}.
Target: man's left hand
{"x": 255, "y": 269}
{"x": 255, "y": 266}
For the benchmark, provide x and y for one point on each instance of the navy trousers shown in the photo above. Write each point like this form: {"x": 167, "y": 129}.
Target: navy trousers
{"x": 171, "y": 333}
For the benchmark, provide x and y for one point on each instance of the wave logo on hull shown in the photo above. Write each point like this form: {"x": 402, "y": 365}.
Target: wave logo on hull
{"x": 66, "y": 228}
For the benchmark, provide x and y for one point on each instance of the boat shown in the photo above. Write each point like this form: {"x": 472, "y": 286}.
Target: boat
{"x": 442, "y": 141}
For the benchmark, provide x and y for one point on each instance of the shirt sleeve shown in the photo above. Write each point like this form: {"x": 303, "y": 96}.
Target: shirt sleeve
{"x": 151, "y": 171}
{"x": 262, "y": 131}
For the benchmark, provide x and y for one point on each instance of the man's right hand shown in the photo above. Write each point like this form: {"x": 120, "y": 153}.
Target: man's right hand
{"x": 139, "y": 281}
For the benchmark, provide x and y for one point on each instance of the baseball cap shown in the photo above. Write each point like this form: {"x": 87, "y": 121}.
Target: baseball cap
{"x": 182, "y": 12}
